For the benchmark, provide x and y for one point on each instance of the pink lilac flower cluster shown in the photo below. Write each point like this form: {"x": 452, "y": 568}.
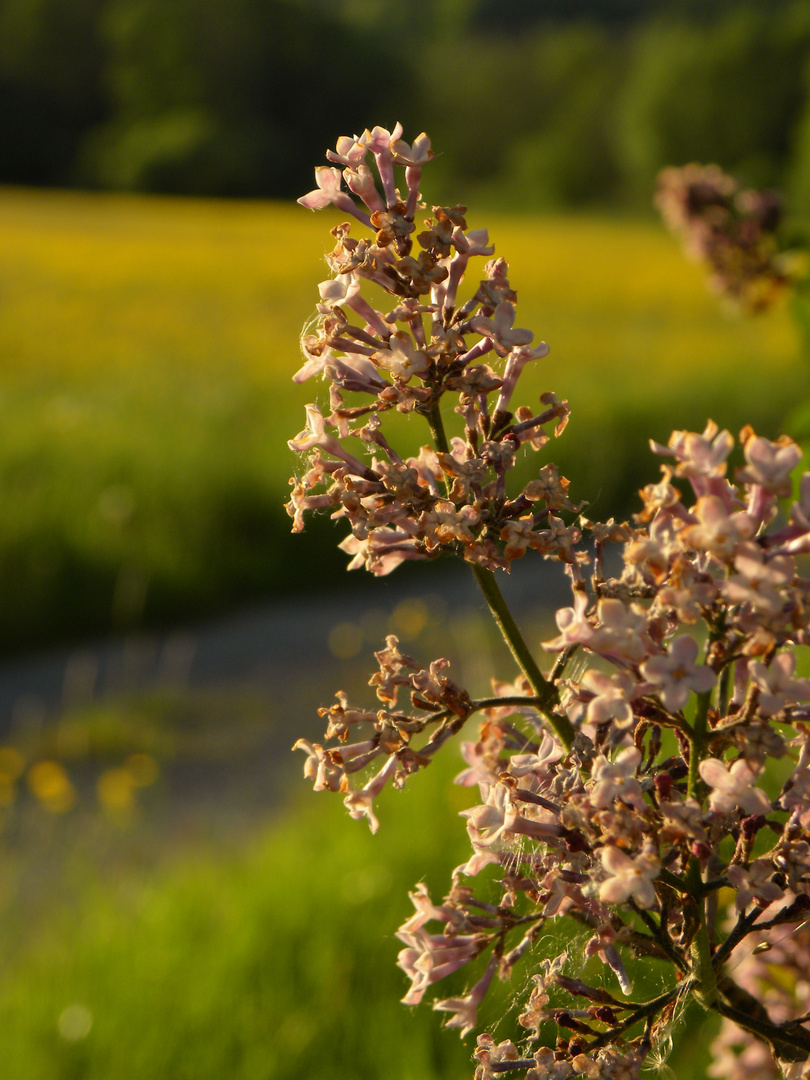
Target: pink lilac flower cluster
{"x": 624, "y": 785}
{"x": 733, "y": 230}
{"x": 393, "y": 332}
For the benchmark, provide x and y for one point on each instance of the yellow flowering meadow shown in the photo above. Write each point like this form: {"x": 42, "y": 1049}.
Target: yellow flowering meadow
{"x": 146, "y": 349}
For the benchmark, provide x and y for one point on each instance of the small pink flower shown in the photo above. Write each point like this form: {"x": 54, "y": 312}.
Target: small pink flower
{"x": 518, "y": 358}
{"x": 573, "y": 625}
{"x": 425, "y": 910}
{"x": 717, "y": 531}
{"x": 777, "y": 686}
{"x": 754, "y": 884}
{"x": 360, "y": 804}
{"x": 734, "y": 786}
{"x": 628, "y": 877}
{"x": 315, "y": 434}
{"x": 757, "y": 582}
{"x": 465, "y": 1009}
{"x": 617, "y": 779}
{"x": 612, "y": 697}
{"x": 622, "y": 631}
{"x": 319, "y": 766}
{"x": 329, "y": 192}
{"x": 401, "y": 357}
{"x": 431, "y": 957}
{"x": 419, "y": 153}
{"x": 770, "y": 463}
{"x": 677, "y": 675}
{"x": 351, "y": 150}
{"x": 499, "y": 329}
{"x": 698, "y": 455}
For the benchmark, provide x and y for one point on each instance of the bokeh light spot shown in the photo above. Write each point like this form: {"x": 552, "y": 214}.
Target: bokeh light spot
{"x": 50, "y": 783}
{"x": 114, "y": 789}
{"x": 75, "y": 1022}
{"x": 345, "y": 640}
{"x": 142, "y": 768}
{"x": 409, "y": 619}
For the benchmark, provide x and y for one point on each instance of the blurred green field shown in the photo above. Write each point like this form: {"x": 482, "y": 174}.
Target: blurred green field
{"x": 146, "y": 348}
{"x": 154, "y": 946}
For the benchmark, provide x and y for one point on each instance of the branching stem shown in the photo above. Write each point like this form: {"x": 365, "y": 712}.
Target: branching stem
{"x": 546, "y": 692}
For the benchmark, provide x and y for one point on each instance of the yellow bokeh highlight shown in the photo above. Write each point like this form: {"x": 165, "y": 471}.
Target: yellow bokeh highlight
{"x": 409, "y": 619}
{"x": 12, "y": 763}
{"x": 345, "y": 640}
{"x": 143, "y": 770}
{"x": 114, "y": 788}
{"x": 50, "y": 783}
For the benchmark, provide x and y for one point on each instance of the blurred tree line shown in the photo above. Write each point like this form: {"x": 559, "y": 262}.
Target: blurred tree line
{"x": 553, "y": 102}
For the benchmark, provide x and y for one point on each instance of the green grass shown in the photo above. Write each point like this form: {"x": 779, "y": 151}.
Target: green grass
{"x": 146, "y": 349}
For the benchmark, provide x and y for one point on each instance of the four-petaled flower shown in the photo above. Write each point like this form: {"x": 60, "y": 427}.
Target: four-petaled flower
{"x": 628, "y": 878}
{"x": 500, "y": 329}
{"x": 734, "y": 786}
{"x": 676, "y": 675}
{"x": 778, "y": 687}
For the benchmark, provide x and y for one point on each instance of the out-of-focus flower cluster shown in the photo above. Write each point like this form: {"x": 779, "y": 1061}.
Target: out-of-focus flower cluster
{"x": 677, "y": 676}
{"x": 733, "y": 230}
{"x": 395, "y": 332}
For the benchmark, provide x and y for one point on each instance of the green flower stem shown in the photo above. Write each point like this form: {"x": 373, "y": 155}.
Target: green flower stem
{"x": 703, "y": 971}
{"x": 700, "y": 951}
{"x": 698, "y": 741}
{"x": 545, "y": 691}
{"x": 433, "y": 416}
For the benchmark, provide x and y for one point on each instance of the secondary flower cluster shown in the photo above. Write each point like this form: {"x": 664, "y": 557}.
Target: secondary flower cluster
{"x": 424, "y": 341}
{"x": 628, "y": 788}
{"x": 733, "y": 230}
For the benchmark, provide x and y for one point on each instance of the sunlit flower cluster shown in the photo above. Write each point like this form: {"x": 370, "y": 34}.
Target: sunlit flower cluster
{"x": 624, "y": 784}
{"x": 733, "y": 231}
{"x": 395, "y": 330}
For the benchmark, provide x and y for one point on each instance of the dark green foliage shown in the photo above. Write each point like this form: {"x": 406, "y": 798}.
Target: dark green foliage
{"x": 566, "y": 102}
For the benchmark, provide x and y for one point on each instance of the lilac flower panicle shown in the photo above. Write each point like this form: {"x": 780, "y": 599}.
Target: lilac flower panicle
{"x": 621, "y": 781}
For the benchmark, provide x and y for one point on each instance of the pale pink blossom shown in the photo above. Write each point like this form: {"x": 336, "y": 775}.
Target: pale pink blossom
{"x": 498, "y": 816}
{"x": 754, "y": 884}
{"x": 676, "y": 675}
{"x": 757, "y": 581}
{"x": 360, "y": 181}
{"x": 612, "y": 697}
{"x": 717, "y": 531}
{"x": 517, "y": 360}
{"x": 315, "y": 434}
{"x": 379, "y": 141}
{"x": 500, "y": 329}
{"x": 319, "y": 766}
{"x": 621, "y": 631}
{"x": 698, "y": 455}
{"x": 778, "y": 687}
{"x": 329, "y": 191}
{"x": 734, "y": 786}
{"x": 770, "y": 463}
{"x": 617, "y": 779}
{"x": 426, "y": 910}
{"x": 418, "y": 153}
{"x": 628, "y": 877}
{"x": 431, "y": 957}
{"x": 401, "y": 357}
{"x": 574, "y": 627}
{"x": 349, "y": 150}
{"x": 465, "y": 1009}
{"x": 360, "y": 804}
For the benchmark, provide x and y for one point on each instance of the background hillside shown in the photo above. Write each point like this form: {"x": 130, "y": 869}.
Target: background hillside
{"x": 554, "y": 102}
